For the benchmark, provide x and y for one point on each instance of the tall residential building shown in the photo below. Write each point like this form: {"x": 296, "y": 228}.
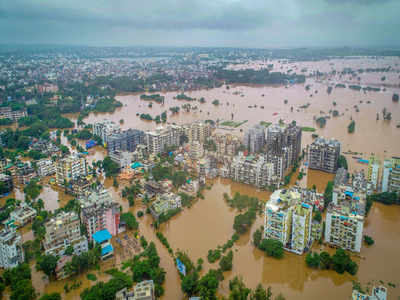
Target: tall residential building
{"x": 345, "y": 219}
{"x": 373, "y": 171}
{"x": 45, "y": 167}
{"x": 63, "y": 231}
{"x": 70, "y": 167}
{"x": 161, "y": 138}
{"x": 126, "y": 140}
{"x": 301, "y": 228}
{"x": 278, "y": 216}
{"x": 254, "y": 170}
{"x": 254, "y": 139}
{"x": 324, "y": 154}
{"x": 99, "y": 212}
{"x": 391, "y": 175}
{"x": 11, "y": 251}
{"x": 197, "y": 131}
{"x": 104, "y": 129}
{"x": 143, "y": 290}
{"x": 226, "y": 145}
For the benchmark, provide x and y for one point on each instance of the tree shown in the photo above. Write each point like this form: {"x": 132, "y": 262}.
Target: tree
{"x": 261, "y": 294}
{"x": 23, "y": 290}
{"x": 225, "y": 263}
{"x": 328, "y": 193}
{"x": 325, "y": 260}
{"x": 340, "y": 260}
{"x": 312, "y": 259}
{"x": 272, "y": 247}
{"x": 395, "y": 98}
{"x": 368, "y": 240}
{"x": 342, "y": 162}
{"x": 318, "y": 217}
{"x": 110, "y": 167}
{"x": 47, "y": 264}
{"x": 351, "y": 127}
{"x": 52, "y": 296}
{"x": 130, "y": 221}
{"x": 257, "y": 237}
{"x": 208, "y": 285}
{"x": 238, "y": 290}
{"x": 179, "y": 178}
{"x": 189, "y": 284}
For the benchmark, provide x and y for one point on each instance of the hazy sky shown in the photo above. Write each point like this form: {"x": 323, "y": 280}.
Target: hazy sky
{"x": 234, "y": 23}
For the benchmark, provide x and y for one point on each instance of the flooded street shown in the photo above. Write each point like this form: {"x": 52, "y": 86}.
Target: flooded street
{"x": 208, "y": 223}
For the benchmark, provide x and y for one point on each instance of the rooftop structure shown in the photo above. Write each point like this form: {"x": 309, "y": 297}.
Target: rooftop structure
{"x": 126, "y": 140}
{"x": 165, "y": 202}
{"x": 378, "y": 293}
{"x": 104, "y": 129}
{"x": 70, "y": 167}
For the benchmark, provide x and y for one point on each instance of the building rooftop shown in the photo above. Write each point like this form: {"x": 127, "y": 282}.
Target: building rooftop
{"x": 282, "y": 199}
{"x": 101, "y": 236}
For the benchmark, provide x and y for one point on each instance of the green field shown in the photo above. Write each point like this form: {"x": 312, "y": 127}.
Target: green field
{"x": 232, "y": 123}
{"x": 308, "y": 129}
{"x": 265, "y": 124}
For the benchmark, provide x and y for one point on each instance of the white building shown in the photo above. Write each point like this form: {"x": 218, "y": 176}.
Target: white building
{"x": 345, "y": 219}
{"x": 11, "y": 252}
{"x": 387, "y": 168}
{"x": 301, "y": 228}
{"x": 378, "y": 293}
{"x": 104, "y": 129}
{"x": 45, "y": 167}
{"x": 163, "y": 137}
{"x": 70, "y": 167}
{"x": 165, "y": 202}
{"x": 123, "y": 158}
{"x": 278, "y": 216}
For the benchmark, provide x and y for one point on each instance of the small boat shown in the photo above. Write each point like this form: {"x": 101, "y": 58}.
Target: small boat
{"x": 274, "y": 114}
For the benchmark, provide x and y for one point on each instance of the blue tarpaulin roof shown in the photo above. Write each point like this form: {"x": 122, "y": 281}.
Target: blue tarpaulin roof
{"x": 348, "y": 193}
{"x": 136, "y": 165}
{"x": 107, "y": 249}
{"x": 181, "y": 267}
{"x": 101, "y": 236}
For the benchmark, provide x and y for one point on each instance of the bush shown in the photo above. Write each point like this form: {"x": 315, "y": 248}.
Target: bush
{"x": 225, "y": 263}
{"x": 369, "y": 240}
{"x": 273, "y": 248}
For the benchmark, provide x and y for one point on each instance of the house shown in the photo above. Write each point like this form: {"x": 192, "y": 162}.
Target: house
{"x": 103, "y": 238}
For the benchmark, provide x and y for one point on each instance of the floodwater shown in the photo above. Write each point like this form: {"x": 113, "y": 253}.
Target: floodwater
{"x": 380, "y": 137}
{"x": 208, "y": 223}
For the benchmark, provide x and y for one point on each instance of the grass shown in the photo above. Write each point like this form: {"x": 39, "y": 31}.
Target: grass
{"x": 91, "y": 277}
{"x": 233, "y": 123}
{"x": 308, "y": 129}
{"x": 265, "y": 124}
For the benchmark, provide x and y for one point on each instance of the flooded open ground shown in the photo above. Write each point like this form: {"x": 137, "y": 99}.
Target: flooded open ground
{"x": 208, "y": 223}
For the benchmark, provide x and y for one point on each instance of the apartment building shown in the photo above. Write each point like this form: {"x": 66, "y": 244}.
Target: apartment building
{"x": 122, "y": 158}
{"x": 282, "y": 138}
{"x": 143, "y": 290}
{"x": 345, "y": 219}
{"x": 126, "y": 140}
{"x": 104, "y": 129}
{"x": 278, "y": 216}
{"x": 226, "y": 147}
{"x": 254, "y": 139}
{"x": 196, "y": 150}
{"x": 373, "y": 171}
{"x": 24, "y": 173}
{"x": 70, "y": 167}
{"x": 197, "y": 131}
{"x": 11, "y": 251}
{"x": 324, "y": 154}
{"x": 253, "y": 170}
{"x": 63, "y": 231}
{"x": 15, "y": 115}
{"x": 7, "y": 183}
{"x": 165, "y": 202}
{"x": 341, "y": 176}
{"x": 99, "y": 212}
{"x": 45, "y": 167}
{"x": 391, "y": 175}
{"x": 301, "y": 238}
{"x": 161, "y": 138}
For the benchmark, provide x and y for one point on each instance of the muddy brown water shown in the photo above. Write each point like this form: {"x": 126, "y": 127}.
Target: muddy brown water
{"x": 208, "y": 223}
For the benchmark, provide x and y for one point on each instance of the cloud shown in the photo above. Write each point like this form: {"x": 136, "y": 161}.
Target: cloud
{"x": 237, "y": 23}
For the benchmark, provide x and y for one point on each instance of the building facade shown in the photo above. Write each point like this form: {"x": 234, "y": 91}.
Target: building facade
{"x": 11, "y": 251}
{"x": 69, "y": 168}
{"x": 99, "y": 212}
{"x": 63, "y": 231}
{"x": 161, "y": 138}
{"x": 126, "y": 140}
{"x": 324, "y": 154}
{"x": 104, "y": 129}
